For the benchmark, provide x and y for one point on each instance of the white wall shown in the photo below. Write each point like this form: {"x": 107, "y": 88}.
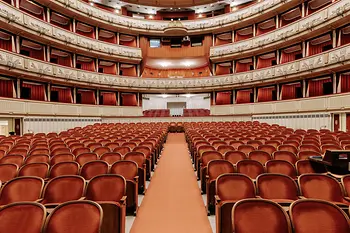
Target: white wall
{"x": 159, "y": 102}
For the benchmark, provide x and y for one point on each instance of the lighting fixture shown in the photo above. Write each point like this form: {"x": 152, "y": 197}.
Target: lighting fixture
{"x": 164, "y": 96}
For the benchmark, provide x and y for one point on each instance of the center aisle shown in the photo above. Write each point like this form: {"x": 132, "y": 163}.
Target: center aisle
{"x": 173, "y": 202}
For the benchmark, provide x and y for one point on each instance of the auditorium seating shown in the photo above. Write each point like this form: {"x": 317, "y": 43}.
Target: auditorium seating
{"x": 157, "y": 113}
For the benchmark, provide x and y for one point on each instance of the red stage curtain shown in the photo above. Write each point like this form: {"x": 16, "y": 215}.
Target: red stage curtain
{"x": 243, "y": 96}
{"x": 289, "y": 91}
{"x": 6, "y": 44}
{"x": 129, "y": 100}
{"x": 223, "y": 98}
{"x": 65, "y": 61}
{"x": 345, "y": 82}
{"x": 344, "y": 39}
{"x": 318, "y": 48}
{"x": 265, "y": 94}
{"x": 243, "y": 67}
{"x": 64, "y": 94}
{"x": 316, "y": 86}
{"x": 87, "y": 97}
{"x": 109, "y": 98}
{"x": 109, "y": 69}
{"x": 89, "y": 66}
{"x": 263, "y": 63}
{"x": 37, "y": 92}
{"x": 220, "y": 70}
{"x": 6, "y": 88}
{"x": 288, "y": 57}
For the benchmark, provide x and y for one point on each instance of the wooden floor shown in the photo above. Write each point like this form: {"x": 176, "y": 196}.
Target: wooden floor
{"x": 173, "y": 202}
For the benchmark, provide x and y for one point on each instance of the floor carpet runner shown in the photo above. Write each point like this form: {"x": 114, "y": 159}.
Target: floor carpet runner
{"x": 173, "y": 202}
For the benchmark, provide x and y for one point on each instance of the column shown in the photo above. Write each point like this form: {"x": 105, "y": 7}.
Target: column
{"x": 138, "y": 41}
{"x": 278, "y": 92}
{"x": 18, "y": 44}
{"x": 213, "y": 69}
{"x": 138, "y": 99}
{"x": 277, "y": 21}
{"x": 118, "y": 95}
{"x": 233, "y": 96}
{"x": 74, "y": 25}
{"x": 214, "y": 98}
{"x": 118, "y": 37}
{"x": 48, "y": 56}
{"x": 74, "y": 95}
{"x": 334, "y": 80}
{"x": 17, "y": 3}
{"x": 138, "y": 69}
{"x": 334, "y": 38}
{"x": 254, "y": 62}
{"x": 74, "y": 60}
{"x": 97, "y": 64}
{"x": 255, "y": 95}
{"x": 307, "y": 49}
{"x": 118, "y": 68}
{"x": 13, "y": 42}
{"x": 233, "y": 67}
{"x": 98, "y": 97}
{"x": 49, "y": 92}
{"x": 342, "y": 122}
{"x": 96, "y": 33}
{"x": 233, "y": 36}
{"x": 254, "y": 30}
{"x": 303, "y": 48}
{"x": 303, "y": 11}
{"x": 18, "y": 88}
{"x": 213, "y": 38}
{"x": 48, "y": 16}
{"x": 278, "y": 57}
{"x": 305, "y": 92}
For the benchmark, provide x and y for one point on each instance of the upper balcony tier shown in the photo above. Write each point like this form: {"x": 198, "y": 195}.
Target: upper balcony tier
{"x": 328, "y": 62}
{"x": 98, "y": 17}
{"x": 333, "y": 16}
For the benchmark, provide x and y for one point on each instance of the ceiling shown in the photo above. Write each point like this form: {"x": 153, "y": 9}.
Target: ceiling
{"x": 182, "y": 63}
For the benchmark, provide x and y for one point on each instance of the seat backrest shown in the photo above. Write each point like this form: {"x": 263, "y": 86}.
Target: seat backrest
{"x": 267, "y": 148}
{"x": 137, "y": 157}
{"x": 42, "y": 158}
{"x": 62, "y": 158}
{"x": 18, "y": 151}
{"x": 56, "y": 190}
{"x": 207, "y": 156}
{"x": 326, "y": 147}
{"x": 8, "y": 171}
{"x": 281, "y": 167}
{"x": 308, "y": 215}
{"x": 126, "y": 168}
{"x": 289, "y": 148}
{"x": 111, "y": 157}
{"x": 23, "y": 217}
{"x": 246, "y": 148}
{"x": 250, "y": 168}
{"x": 219, "y": 167}
{"x": 260, "y": 156}
{"x": 81, "y": 150}
{"x": 285, "y": 155}
{"x": 320, "y": 186}
{"x": 94, "y": 168}
{"x": 259, "y": 215}
{"x": 75, "y": 217}
{"x": 58, "y": 151}
{"x": 35, "y": 169}
{"x": 15, "y": 159}
{"x": 143, "y": 149}
{"x": 276, "y": 186}
{"x": 235, "y": 156}
{"x": 123, "y": 150}
{"x": 86, "y": 157}
{"x": 234, "y": 186}
{"x": 307, "y": 147}
{"x": 304, "y": 167}
{"x": 110, "y": 187}
{"x": 26, "y": 188}
{"x": 346, "y": 184}
{"x": 225, "y": 148}
{"x": 101, "y": 150}
{"x": 64, "y": 168}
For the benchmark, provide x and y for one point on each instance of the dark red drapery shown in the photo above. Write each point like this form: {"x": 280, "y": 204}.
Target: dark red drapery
{"x": 318, "y": 48}
{"x": 64, "y": 94}
{"x": 129, "y": 100}
{"x": 345, "y": 82}
{"x": 6, "y": 88}
{"x": 288, "y": 57}
{"x": 87, "y": 97}
{"x": 109, "y": 69}
{"x": 109, "y": 98}
{"x": 243, "y": 67}
{"x": 316, "y": 86}
{"x": 288, "y": 91}
{"x": 89, "y": 66}
{"x": 37, "y": 92}
{"x": 223, "y": 98}
{"x": 6, "y": 44}
{"x": 265, "y": 94}
{"x": 344, "y": 39}
{"x": 243, "y": 96}
{"x": 263, "y": 63}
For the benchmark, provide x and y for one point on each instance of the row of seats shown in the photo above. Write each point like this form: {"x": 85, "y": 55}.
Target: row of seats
{"x": 157, "y": 113}
{"x": 231, "y": 188}
{"x": 196, "y": 112}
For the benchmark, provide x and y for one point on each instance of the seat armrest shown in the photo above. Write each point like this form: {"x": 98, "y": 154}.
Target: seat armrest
{"x": 217, "y": 199}
{"x": 39, "y": 200}
{"x": 347, "y": 199}
{"x": 82, "y": 198}
{"x": 302, "y": 197}
{"x": 207, "y": 178}
{"x": 259, "y": 197}
{"x": 123, "y": 200}
{"x": 136, "y": 178}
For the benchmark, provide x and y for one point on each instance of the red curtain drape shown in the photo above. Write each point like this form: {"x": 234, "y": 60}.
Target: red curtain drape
{"x": 90, "y": 34}
{"x": 87, "y": 97}
{"x": 65, "y": 61}
{"x": 288, "y": 57}
{"x": 316, "y": 86}
{"x": 263, "y": 63}
{"x": 265, "y": 94}
{"x": 318, "y": 48}
{"x": 345, "y": 82}
{"x": 109, "y": 98}
{"x": 6, "y": 88}
{"x": 220, "y": 70}
{"x": 261, "y": 31}
{"x": 89, "y": 66}
{"x": 288, "y": 91}
{"x": 109, "y": 69}
{"x": 243, "y": 96}
{"x": 243, "y": 67}
{"x": 240, "y": 37}
{"x": 37, "y": 92}
{"x": 129, "y": 100}
{"x": 6, "y": 44}
{"x": 223, "y": 98}
{"x": 64, "y": 94}
{"x": 130, "y": 71}
{"x": 131, "y": 43}
{"x": 344, "y": 39}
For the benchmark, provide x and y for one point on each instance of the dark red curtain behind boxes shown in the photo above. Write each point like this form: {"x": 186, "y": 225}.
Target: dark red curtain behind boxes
{"x": 318, "y": 48}
{"x": 265, "y": 94}
{"x": 65, "y": 61}
{"x": 288, "y": 57}
{"x": 87, "y": 97}
{"x": 240, "y": 37}
{"x": 344, "y": 39}
{"x": 223, "y": 98}
{"x": 6, "y": 88}
{"x": 37, "y": 92}
{"x": 289, "y": 91}
{"x": 243, "y": 96}
{"x": 64, "y": 94}
{"x": 6, "y": 44}
{"x": 220, "y": 70}
{"x": 264, "y": 63}
{"x": 129, "y": 99}
{"x": 109, "y": 69}
{"x": 109, "y": 98}
{"x": 89, "y": 66}
{"x": 243, "y": 67}
{"x": 345, "y": 82}
{"x": 316, "y": 86}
